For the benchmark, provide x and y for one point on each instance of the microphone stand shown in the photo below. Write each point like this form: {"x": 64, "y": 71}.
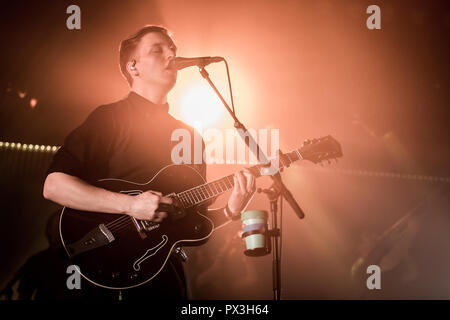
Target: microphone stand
{"x": 275, "y": 237}
{"x": 276, "y": 178}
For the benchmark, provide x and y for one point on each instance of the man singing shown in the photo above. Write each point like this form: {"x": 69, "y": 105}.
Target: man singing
{"x": 131, "y": 140}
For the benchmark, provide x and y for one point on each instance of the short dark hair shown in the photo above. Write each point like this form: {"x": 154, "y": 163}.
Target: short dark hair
{"x": 128, "y": 46}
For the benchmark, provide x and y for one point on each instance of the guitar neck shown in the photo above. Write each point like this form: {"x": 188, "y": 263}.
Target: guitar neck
{"x": 211, "y": 190}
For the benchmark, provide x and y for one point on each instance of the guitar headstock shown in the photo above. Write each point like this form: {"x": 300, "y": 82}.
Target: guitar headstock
{"x": 315, "y": 150}
{"x": 318, "y": 150}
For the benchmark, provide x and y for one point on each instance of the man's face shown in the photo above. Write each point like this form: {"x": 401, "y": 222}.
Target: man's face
{"x": 153, "y": 55}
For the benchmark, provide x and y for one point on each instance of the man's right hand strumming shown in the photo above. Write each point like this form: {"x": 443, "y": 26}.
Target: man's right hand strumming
{"x": 144, "y": 206}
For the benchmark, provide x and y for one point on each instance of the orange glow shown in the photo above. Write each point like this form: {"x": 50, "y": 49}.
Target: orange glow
{"x": 194, "y": 102}
{"x": 33, "y": 103}
{"x": 200, "y": 107}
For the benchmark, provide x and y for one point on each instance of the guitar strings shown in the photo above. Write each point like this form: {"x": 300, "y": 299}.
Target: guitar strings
{"x": 115, "y": 222}
{"x": 120, "y": 227}
{"x": 116, "y": 230}
{"x": 122, "y": 222}
{"x": 118, "y": 224}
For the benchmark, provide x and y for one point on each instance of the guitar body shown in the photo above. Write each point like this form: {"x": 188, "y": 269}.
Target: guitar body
{"x": 132, "y": 258}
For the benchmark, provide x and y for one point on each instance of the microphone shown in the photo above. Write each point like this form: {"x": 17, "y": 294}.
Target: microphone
{"x": 181, "y": 63}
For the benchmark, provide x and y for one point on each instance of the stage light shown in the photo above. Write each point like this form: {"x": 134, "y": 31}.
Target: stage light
{"x": 27, "y": 147}
{"x": 21, "y": 94}
{"x": 33, "y": 103}
{"x": 200, "y": 107}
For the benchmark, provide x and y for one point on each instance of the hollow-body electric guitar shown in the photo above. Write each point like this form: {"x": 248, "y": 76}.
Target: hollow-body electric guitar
{"x": 120, "y": 252}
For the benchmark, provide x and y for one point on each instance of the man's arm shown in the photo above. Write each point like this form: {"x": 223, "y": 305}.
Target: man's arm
{"x": 73, "y": 192}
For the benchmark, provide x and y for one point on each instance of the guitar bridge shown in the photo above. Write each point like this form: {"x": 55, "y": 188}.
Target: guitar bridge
{"x": 175, "y": 211}
{"x": 140, "y": 228}
{"x": 149, "y": 225}
{"x": 144, "y": 225}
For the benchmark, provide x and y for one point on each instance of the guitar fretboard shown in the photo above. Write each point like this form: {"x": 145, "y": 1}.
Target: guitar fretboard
{"x": 211, "y": 190}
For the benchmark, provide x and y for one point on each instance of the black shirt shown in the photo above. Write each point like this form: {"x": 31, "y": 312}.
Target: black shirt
{"x": 129, "y": 139}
